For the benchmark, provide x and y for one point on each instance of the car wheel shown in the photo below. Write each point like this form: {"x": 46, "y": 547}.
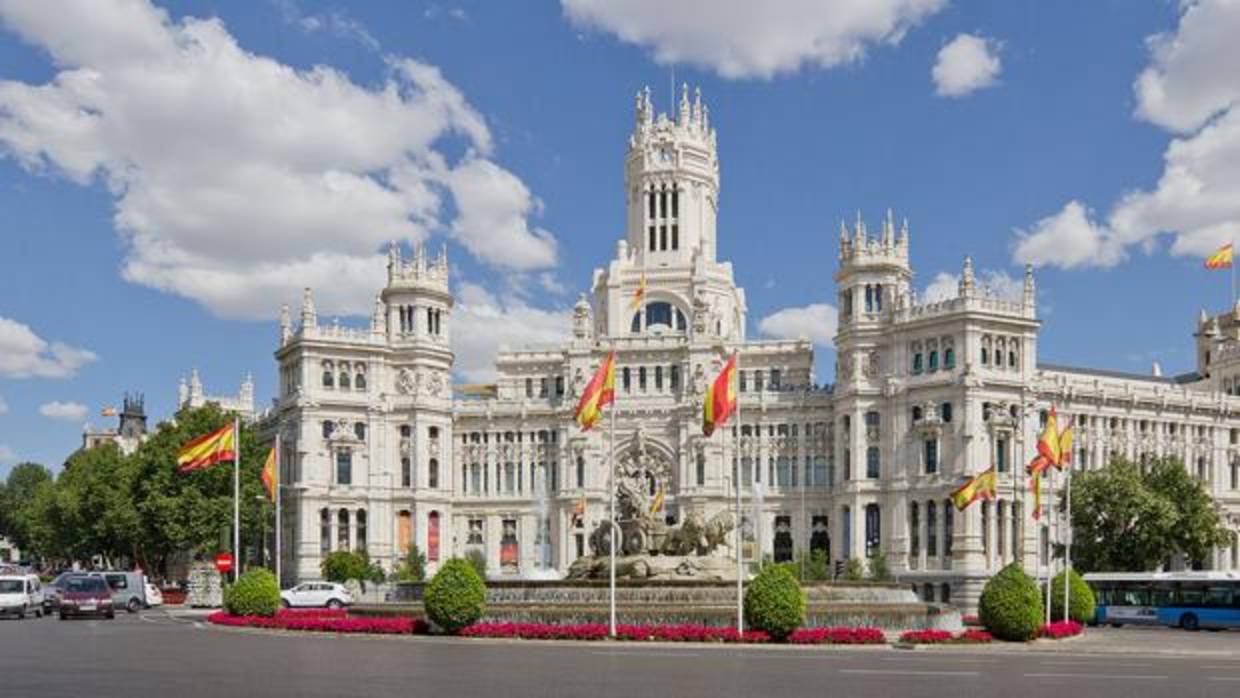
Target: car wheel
{"x": 1189, "y": 622}
{"x": 21, "y": 614}
{"x": 133, "y": 606}
{"x": 38, "y": 612}
{"x": 63, "y": 616}
{"x": 285, "y": 604}
{"x": 334, "y": 604}
{"x": 111, "y": 615}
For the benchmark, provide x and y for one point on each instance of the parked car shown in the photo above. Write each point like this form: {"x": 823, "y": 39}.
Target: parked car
{"x": 128, "y": 589}
{"x": 154, "y": 597}
{"x": 84, "y": 595}
{"x": 21, "y": 594}
{"x": 320, "y": 594}
{"x": 51, "y": 592}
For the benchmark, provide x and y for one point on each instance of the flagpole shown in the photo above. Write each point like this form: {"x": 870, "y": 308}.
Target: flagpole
{"x": 1067, "y": 548}
{"x": 279, "y": 520}
{"x": 611, "y": 549}
{"x": 740, "y": 575}
{"x": 1050, "y": 537}
{"x": 236, "y": 498}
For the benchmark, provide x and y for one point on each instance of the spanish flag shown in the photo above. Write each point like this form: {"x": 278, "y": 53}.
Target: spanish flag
{"x": 720, "y": 400}
{"x": 1054, "y": 446}
{"x": 980, "y": 487}
{"x": 209, "y": 449}
{"x": 639, "y": 294}
{"x": 1222, "y": 258}
{"x": 269, "y": 477}
{"x": 600, "y": 392}
{"x": 1036, "y": 486}
{"x": 657, "y": 505}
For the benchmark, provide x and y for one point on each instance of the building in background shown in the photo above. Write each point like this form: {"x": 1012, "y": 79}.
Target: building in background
{"x": 190, "y": 394}
{"x": 376, "y": 453}
{"x": 130, "y": 432}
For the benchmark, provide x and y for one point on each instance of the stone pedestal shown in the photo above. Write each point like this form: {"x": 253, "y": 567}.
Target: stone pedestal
{"x": 206, "y": 589}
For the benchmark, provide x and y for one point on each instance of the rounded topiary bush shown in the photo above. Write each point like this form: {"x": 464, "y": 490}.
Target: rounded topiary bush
{"x": 1080, "y": 599}
{"x": 254, "y": 594}
{"x": 1011, "y": 605}
{"x": 455, "y": 597}
{"x": 774, "y": 602}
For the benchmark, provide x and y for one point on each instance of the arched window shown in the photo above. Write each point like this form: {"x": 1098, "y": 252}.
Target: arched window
{"x": 873, "y": 529}
{"x": 581, "y": 471}
{"x": 932, "y": 533}
{"x": 328, "y": 378}
{"x": 361, "y": 530}
{"x": 432, "y": 537}
{"x": 917, "y": 414}
{"x": 359, "y": 381}
{"x": 325, "y": 532}
{"x": 914, "y": 529}
{"x": 342, "y": 530}
{"x": 1011, "y": 359}
{"x": 344, "y": 379}
{"x": 359, "y": 430}
{"x": 660, "y": 315}
{"x": 328, "y": 427}
{"x": 432, "y": 474}
{"x": 948, "y": 511}
{"x": 949, "y": 358}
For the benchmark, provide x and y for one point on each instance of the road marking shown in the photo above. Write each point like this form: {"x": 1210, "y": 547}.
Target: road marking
{"x": 952, "y": 658}
{"x": 1088, "y": 663}
{"x": 1225, "y": 678}
{"x": 908, "y": 672}
{"x": 1148, "y": 677}
{"x": 1225, "y": 667}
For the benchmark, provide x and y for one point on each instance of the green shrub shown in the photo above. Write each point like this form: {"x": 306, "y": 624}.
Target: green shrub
{"x": 343, "y": 565}
{"x": 1011, "y": 605}
{"x": 479, "y": 562}
{"x": 456, "y": 596}
{"x": 854, "y": 570}
{"x": 254, "y": 594}
{"x": 774, "y": 602}
{"x": 814, "y": 566}
{"x": 413, "y": 567}
{"x": 879, "y": 571}
{"x": 1080, "y": 599}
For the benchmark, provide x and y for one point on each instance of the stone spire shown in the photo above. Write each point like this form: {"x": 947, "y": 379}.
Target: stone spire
{"x": 697, "y": 107}
{"x": 889, "y": 230}
{"x": 195, "y": 386}
{"x": 309, "y": 318}
{"x": 966, "y": 278}
{"x": 377, "y": 315}
{"x": 682, "y": 118}
{"x": 1031, "y": 291}
{"x": 286, "y": 324}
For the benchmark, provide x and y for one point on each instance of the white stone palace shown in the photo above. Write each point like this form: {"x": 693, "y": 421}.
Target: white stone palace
{"x": 379, "y": 450}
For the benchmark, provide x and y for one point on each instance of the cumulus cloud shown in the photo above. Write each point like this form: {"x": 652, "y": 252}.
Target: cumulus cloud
{"x": 816, "y": 322}
{"x": 24, "y": 354}
{"x": 966, "y": 64}
{"x": 1190, "y": 88}
{"x": 483, "y": 324}
{"x": 237, "y": 177}
{"x": 745, "y": 39}
{"x": 992, "y": 282}
{"x": 68, "y": 411}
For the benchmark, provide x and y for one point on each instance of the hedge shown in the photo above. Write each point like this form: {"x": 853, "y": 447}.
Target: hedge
{"x": 774, "y": 602}
{"x": 1011, "y": 605}
{"x": 456, "y": 597}
{"x": 1080, "y": 599}
{"x": 254, "y": 594}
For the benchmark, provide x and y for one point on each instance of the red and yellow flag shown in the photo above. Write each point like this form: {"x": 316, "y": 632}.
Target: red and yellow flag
{"x": 656, "y": 506}
{"x": 639, "y": 294}
{"x": 720, "y": 400}
{"x": 1222, "y": 258}
{"x": 1036, "y": 485}
{"x": 269, "y": 477}
{"x": 209, "y": 449}
{"x": 980, "y": 487}
{"x": 1054, "y": 446}
{"x": 599, "y": 392}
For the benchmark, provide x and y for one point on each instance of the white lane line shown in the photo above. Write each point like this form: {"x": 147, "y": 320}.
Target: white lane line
{"x": 1133, "y": 677}
{"x": 1225, "y": 678}
{"x": 908, "y": 672}
{"x": 1083, "y": 663}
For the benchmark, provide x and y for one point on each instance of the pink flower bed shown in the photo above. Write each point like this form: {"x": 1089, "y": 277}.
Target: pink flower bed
{"x": 670, "y": 633}
{"x": 943, "y": 637}
{"x": 323, "y": 621}
{"x": 1061, "y": 629}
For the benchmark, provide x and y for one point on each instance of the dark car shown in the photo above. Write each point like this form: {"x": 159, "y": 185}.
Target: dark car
{"x": 86, "y": 596}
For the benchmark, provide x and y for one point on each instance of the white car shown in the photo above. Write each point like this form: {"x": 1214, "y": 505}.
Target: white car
{"x": 21, "y": 594}
{"x": 316, "y": 594}
{"x": 154, "y": 597}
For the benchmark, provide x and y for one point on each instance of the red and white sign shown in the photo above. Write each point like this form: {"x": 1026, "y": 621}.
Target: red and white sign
{"x": 224, "y": 563}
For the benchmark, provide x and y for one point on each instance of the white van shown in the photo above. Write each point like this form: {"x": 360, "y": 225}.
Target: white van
{"x": 21, "y": 594}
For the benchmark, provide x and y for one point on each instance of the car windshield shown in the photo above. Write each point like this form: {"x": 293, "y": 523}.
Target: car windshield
{"x": 11, "y": 586}
{"x": 85, "y": 584}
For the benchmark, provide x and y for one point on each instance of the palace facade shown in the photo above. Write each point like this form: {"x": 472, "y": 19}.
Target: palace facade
{"x": 378, "y": 450}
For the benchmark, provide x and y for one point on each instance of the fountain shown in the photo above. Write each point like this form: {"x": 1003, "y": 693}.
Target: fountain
{"x": 543, "y": 568}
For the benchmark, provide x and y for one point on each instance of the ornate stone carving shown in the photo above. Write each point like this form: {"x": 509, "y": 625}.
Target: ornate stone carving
{"x": 406, "y": 382}
{"x": 434, "y": 383}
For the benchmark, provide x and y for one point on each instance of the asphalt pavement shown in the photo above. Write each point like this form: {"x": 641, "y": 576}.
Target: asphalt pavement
{"x": 155, "y": 654}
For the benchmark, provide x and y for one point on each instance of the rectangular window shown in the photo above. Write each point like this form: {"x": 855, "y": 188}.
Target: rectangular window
{"x": 701, "y": 469}
{"x": 641, "y": 378}
{"x": 675, "y": 236}
{"x": 847, "y": 464}
{"x": 529, "y": 387}
{"x": 559, "y": 386}
{"x": 663, "y": 237}
{"x": 757, "y": 381}
{"x": 653, "y": 239}
{"x": 932, "y": 455}
{"x": 1001, "y": 454}
{"x": 344, "y": 467}
{"x": 406, "y": 472}
{"x": 627, "y": 379}
{"x": 933, "y": 364}
{"x": 820, "y": 471}
{"x": 871, "y": 463}
{"x": 775, "y": 379}
{"x": 743, "y": 380}
{"x": 947, "y": 528}
{"x": 658, "y": 378}
{"x": 675, "y": 377}
{"x": 783, "y": 472}
{"x": 675, "y": 203}
{"x": 932, "y": 533}
{"x": 917, "y": 364}
{"x": 914, "y": 529}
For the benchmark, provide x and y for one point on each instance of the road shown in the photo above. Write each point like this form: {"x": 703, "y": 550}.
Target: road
{"x": 154, "y": 654}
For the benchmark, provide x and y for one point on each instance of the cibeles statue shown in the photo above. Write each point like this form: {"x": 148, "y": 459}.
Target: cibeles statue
{"x": 647, "y": 547}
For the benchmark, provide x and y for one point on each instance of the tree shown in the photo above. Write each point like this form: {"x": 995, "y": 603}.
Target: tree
{"x": 879, "y": 570}
{"x": 413, "y": 567}
{"x": 16, "y": 494}
{"x": 1124, "y": 519}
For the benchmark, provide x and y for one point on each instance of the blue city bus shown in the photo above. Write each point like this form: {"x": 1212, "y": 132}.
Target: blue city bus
{"x": 1188, "y": 600}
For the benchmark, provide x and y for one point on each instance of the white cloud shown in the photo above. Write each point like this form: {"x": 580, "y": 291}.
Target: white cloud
{"x": 482, "y": 325}
{"x": 991, "y": 282}
{"x": 336, "y": 22}
{"x": 745, "y": 39}
{"x": 816, "y": 322}
{"x": 23, "y": 354}
{"x": 238, "y": 179}
{"x": 1190, "y": 88}
{"x": 966, "y": 64}
{"x": 68, "y": 411}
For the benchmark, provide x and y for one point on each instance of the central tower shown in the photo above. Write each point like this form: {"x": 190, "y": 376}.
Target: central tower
{"x": 672, "y": 182}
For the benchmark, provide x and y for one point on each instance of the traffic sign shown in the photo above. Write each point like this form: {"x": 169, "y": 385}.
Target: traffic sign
{"x": 224, "y": 562}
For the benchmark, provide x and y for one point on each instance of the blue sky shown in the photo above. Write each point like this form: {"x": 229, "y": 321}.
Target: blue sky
{"x": 171, "y": 174}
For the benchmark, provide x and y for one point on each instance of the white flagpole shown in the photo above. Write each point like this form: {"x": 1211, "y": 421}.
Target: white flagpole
{"x": 236, "y": 498}
{"x": 1050, "y": 543}
{"x": 1067, "y": 548}
{"x": 611, "y": 496}
{"x": 740, "y": 574}
{"x": 279, "y": 520}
